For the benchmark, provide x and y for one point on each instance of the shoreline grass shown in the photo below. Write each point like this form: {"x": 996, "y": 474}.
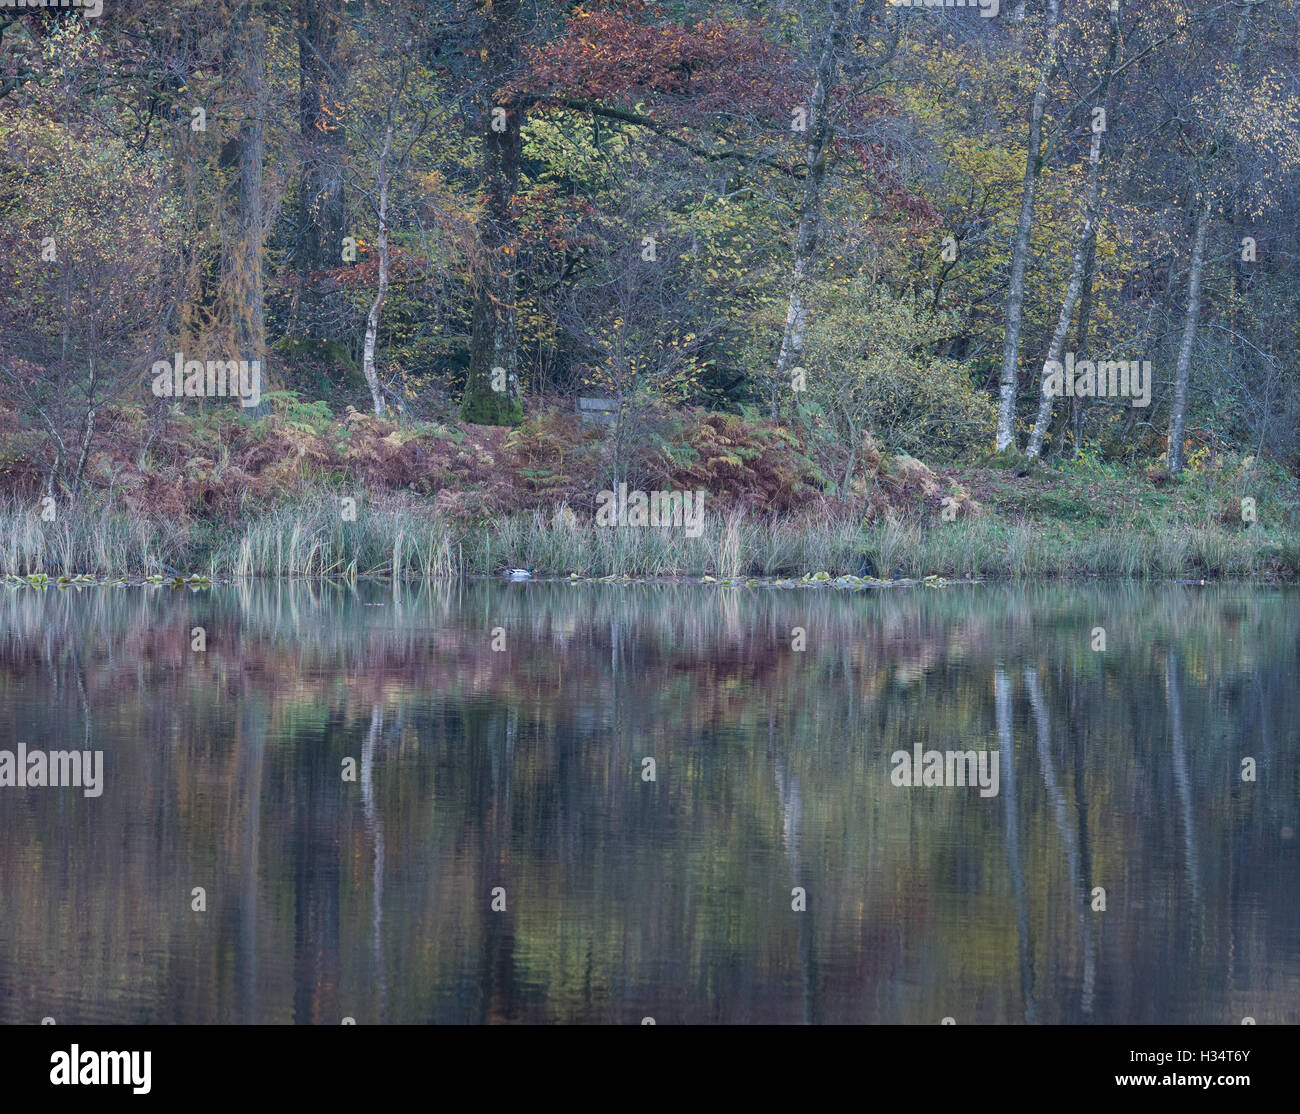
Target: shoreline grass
{"x": 404, "y": 536}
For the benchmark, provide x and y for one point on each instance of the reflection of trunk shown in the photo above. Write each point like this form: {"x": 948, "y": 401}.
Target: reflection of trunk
{"x": 787, "y": 788}
{"x": 377, "y": 306}
{"x": 494, "y": 341}
{"x": 1079, "y": 887}
{"x": 1178, "y": 413}
{"x": 320, "y": 120}
{"x": 492, "y": 734}
{"x": 1007, "y": 776}
{"x": 314, "y": 852}
{"x": 497, "y": 973}
{"x": 1006, "y": 433}
{"x": 807, "y": 957}
{"x": 791, "y": 801}
{"x": 821, "y": 133}
{"x": 376, "y": 831}
{"x": 1083, "y": 252}
{"x": 252, "y": 751}
{"x": 1173, "y": 693}
{"x": 1265, "y": 727}
{"x": 1085, "y": 868}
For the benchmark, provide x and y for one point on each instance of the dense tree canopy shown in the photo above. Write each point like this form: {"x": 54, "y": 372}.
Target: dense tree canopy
{"x": 852, "y": 216}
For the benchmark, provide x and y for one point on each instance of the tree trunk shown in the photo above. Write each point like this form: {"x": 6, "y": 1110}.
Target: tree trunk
{"x": 321, "y": 81}
{"x": 1082, "y": 253}
{"x": 1182, "y": 373}
{"x": 1081, "y": 346}
{"x": 87, "y": 433}
{"x": 1178, "y": 413}
{"x": 492, "y": 382}
{"x": 1072, "y": 293}
{"x": 821, "y": 133}
{"x": 1006, "y": 433}
{"x": 244, "y": 262}
{"x": 377, "y": 306}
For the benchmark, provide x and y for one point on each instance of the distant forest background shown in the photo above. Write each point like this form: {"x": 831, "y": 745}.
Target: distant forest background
{"x": 845, "y": 225}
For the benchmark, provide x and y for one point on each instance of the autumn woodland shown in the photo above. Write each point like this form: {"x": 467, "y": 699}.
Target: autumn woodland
{"x": 627, "y": 512}
{"x": 966, "y": 290}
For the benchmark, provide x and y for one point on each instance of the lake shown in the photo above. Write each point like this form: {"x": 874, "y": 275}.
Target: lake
{"x": 432, "y": 804}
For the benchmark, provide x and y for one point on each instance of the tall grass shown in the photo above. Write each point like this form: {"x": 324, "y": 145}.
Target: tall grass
{"x": 83, "y": 538}
{"x": 742, "y": 546}
{"x": 312, "y": 538}
{"x": 405, "y": 537}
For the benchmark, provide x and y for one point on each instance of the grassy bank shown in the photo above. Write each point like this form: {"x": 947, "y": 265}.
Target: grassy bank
{"x": 302, "y": 493}
{"x": 406, "y": 535}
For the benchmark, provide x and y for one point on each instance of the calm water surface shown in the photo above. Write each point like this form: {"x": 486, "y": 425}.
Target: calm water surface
{"x": 371, "y": 896}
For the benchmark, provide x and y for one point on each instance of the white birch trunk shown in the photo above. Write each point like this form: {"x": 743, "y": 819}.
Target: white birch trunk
{"x": 376, "y": 307}
{"x": 1082, "y": 253}
{"x": 821, "y": 133}
{"x": 1006, "y": 431}
{"x": 1178, "y": 413}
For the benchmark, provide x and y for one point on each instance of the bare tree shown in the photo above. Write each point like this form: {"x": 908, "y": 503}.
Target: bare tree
{"x": 382, "y": 166}
{"x": 1006, "y": 431}
{"x": 494, "y": 343}
{"x": 1085, "y": 249}
{"x": 1205, "y": 158}
{"x": 322, "y": 80}
{"x": 246, "y": 243}
{"x": 821, "y": 134}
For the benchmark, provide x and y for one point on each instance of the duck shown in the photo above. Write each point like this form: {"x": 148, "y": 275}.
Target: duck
{"x": 519, "y": 574}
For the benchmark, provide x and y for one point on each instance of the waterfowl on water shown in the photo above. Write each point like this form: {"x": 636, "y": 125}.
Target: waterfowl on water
{"x": 520, "y": 574}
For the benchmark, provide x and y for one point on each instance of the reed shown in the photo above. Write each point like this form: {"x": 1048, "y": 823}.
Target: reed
{"x": 405, "y": 537}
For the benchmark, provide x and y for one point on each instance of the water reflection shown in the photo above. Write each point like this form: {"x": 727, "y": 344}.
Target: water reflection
{"x": 350, "y": 773}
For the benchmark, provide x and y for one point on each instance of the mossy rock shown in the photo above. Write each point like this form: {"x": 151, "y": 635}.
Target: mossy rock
{"x": 1010, "y": 459}
{"x": 491, "y": 408}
